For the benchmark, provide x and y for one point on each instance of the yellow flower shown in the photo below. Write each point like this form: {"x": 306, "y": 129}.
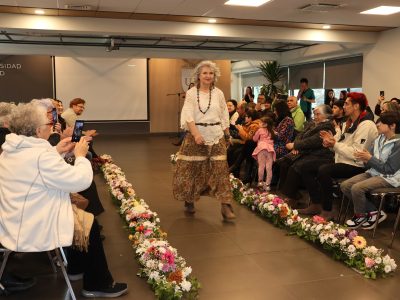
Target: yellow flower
{"x": 359, "y": 242}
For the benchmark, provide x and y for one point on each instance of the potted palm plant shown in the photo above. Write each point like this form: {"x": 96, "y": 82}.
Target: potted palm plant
{"x": 272, "y": 71}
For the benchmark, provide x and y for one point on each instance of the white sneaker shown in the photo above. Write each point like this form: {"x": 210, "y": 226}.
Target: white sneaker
{"x": 370, "y": 223}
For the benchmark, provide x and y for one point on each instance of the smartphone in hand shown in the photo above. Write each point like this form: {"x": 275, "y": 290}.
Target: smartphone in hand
{"x": 382, "y": 93}
{"x": 54, "y": 116}
{"x": 77, "y": 133}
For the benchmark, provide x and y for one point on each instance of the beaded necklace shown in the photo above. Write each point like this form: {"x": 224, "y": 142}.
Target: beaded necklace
{"x": 198, "y": 101}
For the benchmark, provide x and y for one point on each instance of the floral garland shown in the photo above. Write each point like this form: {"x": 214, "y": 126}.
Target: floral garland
{"x": 164, "y": 269}
{"x": 345, "y": 244}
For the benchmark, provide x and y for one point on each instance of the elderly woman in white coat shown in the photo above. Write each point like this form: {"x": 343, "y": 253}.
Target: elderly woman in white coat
{"x": 35, "y": 186}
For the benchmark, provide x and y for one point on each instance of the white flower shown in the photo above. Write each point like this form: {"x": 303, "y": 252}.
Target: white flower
{"x": 290, "y": 222}
{"x": 319, "y": 227}
{"x": 378, "y": 260}
{"x": 331, "y": 236}
{"x": 341, "y": 231}
{"x": 186, "y": 271}
{"x": 271, "y": 207}
{"x": 386, "y": 259}
{"x": 154, "y": 275}
{"x": 186, "y": 285}
{"x": 322, "y": 239}
{"x": 271, "y": 197}
{"x": 393, "y": 264}
{"x": 328, "y": 227}
{"x": 351, "y": 249}
{"x": 265, "y": 206}
{"x": 334, "y": 241}
{"x": 295, "y": 212}
{"x": 160, "y": 266}
{"x": 388, "y": 269}
{"x": 344, "y": 241}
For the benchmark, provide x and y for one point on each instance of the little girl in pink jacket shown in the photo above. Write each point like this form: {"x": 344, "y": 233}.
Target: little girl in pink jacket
{"x": 264, "y": 153}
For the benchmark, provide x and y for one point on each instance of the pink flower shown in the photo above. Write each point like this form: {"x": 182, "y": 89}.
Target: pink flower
{"x": 369, "y": 262}
{"x": 277, "y": 201}
{"x": 319, "y": 220}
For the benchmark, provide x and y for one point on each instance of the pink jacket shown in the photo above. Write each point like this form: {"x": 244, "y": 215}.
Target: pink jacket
{"x": 264, "y": 142}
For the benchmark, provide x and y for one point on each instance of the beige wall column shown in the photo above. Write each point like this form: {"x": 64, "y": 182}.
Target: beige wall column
{"x": 165, "y": 78}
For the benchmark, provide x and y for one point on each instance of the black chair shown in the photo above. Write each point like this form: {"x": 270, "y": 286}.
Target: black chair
{"x": 380, "y": 194}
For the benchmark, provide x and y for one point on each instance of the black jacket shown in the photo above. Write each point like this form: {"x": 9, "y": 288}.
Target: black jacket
{"x": 308, "y": 142}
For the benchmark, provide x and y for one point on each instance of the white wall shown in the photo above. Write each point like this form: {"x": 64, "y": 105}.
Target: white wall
{"x": 381, "y": 67}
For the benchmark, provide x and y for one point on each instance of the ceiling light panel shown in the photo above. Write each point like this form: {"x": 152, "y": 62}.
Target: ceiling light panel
{"x": 251, "y": 3}
{"x": 382, "y": 10}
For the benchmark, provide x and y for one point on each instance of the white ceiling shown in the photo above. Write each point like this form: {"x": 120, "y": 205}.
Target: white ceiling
{"x": 280, "y": 10}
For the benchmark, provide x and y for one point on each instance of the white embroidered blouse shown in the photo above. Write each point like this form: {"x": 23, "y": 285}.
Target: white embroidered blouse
{"x": 218, "y": 112}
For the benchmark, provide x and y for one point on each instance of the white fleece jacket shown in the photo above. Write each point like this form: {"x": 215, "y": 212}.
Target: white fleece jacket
{"x": 361, "y": 138}
{"x": 35, "y": 182}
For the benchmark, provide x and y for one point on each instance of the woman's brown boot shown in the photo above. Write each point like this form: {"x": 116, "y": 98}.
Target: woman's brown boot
{"x": 189, "y": 208}
{"x": 227, "y": 212}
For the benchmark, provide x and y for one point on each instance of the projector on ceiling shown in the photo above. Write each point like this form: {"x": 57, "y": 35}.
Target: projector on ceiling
{"x": 320, "y": 7}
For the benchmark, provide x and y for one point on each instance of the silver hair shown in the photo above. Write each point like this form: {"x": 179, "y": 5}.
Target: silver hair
{"x": 326, "y": 110}
{"x": 207, "y": 63}
{"x": 26, "y": 118}
{"x": 45, "y": 102}
{"x": 5, "y": 111}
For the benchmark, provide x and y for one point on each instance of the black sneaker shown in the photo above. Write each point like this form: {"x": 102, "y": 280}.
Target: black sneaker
{"x": 116, "y": 289}
{"x": 357, "y": 220}
{"x": 370, "y": 223}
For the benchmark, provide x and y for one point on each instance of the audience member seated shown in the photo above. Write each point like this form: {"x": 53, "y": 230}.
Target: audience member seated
{"x": 330, "y": 97}
{"x": 343, "y": 95}
{"x": 383, "y": 165}
{"x": 10, "y": 282}
{"x": 284, "y": 128}
{"x": 243, "y": 148}
{"x": 357, "y": 133}
{"x": 60, "y": 109}
{"x": 339, "y": 117}
{"x": 300, "y": 166}
{"x": 42, "y": 192}
{"x": 390, "y": 106}
{"x": 233, "y": 114}
{"x": 297, "y": 114}
{"x": 76, "y": 108}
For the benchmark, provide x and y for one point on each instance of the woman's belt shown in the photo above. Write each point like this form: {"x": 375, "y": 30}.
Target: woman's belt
{"x": 208, "y": 124}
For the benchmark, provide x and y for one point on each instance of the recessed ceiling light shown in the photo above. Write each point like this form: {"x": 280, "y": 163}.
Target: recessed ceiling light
{"x": 131, "y": 65}
{"x": 326, "y": 27}
{"x": 212, "y": 21}
{"x": 382, "y": 10}
{"x": 252, "y": 3}
{"x": 39, "y": 11}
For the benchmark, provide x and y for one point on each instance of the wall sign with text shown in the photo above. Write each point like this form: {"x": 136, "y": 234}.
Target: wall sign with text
{"x": 25, "y": 77}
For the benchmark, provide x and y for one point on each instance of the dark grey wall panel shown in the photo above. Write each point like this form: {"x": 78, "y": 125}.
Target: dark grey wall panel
{"x": 25, "y": 77}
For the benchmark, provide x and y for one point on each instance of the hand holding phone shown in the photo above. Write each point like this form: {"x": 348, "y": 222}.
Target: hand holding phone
{"x": 54, "y": 117}
{"x": 77, "y": 133}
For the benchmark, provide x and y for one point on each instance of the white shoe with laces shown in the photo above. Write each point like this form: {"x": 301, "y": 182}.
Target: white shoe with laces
{"x": 370, "y": 223}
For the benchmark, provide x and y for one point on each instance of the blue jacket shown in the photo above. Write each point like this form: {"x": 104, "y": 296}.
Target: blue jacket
{"x": 385, "y": 161}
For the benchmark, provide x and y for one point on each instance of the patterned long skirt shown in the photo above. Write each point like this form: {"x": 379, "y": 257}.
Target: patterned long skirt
{"x": 202, "y": 170}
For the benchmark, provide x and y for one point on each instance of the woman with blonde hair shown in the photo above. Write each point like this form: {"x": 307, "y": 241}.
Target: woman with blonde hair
{"x": 202, "y": 164}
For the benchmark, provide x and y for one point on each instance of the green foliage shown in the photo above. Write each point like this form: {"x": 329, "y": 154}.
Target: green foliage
{"x": 272, "y": 71}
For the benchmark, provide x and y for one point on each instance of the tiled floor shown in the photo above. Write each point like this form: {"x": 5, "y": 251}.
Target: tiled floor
{"x": 249, "y": 259}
